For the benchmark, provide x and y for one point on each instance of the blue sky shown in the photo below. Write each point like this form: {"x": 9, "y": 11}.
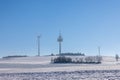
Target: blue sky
{"x": 84, "y": 25}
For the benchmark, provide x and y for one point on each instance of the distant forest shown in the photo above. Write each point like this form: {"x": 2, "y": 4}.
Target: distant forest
{"x": 15, "y": 56}
{"x": 70, "y": 54}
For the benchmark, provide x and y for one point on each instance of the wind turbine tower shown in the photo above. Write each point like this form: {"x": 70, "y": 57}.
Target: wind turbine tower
{"x": 99, "y": 50}
{"x": 38, "y": 37}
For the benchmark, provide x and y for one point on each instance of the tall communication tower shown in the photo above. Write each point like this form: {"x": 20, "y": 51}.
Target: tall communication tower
{"x": 60, "y": 39}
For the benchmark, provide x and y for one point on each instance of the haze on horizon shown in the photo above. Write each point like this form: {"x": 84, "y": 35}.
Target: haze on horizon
{"x": 84, "y": 25}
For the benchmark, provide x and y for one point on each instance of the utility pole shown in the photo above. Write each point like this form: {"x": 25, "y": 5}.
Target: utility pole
{"x": 38, "y": 38}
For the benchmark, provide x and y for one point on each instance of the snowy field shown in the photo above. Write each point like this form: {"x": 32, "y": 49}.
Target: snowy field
{"x": 76, "y": 75}
{"x": 40, "y": 68}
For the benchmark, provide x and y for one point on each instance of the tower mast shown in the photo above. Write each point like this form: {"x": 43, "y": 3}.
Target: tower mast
{"x": 60, "y": 39}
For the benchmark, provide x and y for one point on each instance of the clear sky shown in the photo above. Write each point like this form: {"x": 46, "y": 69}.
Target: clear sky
{"x": 84, "y": 25}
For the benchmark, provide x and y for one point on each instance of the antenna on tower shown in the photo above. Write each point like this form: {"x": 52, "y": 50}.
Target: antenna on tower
{"x": 59, "y": 32}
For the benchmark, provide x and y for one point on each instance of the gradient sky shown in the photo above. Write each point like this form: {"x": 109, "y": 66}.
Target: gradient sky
{"x": 84, "y": 25}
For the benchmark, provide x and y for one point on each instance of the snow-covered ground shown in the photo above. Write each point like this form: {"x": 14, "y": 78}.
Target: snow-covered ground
{"x": 76, "y": 75}
{"x": 43, "y": 64}
{"x": 40, "y": 68}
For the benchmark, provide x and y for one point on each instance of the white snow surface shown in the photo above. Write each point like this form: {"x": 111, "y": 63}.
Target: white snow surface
{"x": 40, "y": 68}
{"x": 43, "y": 64}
